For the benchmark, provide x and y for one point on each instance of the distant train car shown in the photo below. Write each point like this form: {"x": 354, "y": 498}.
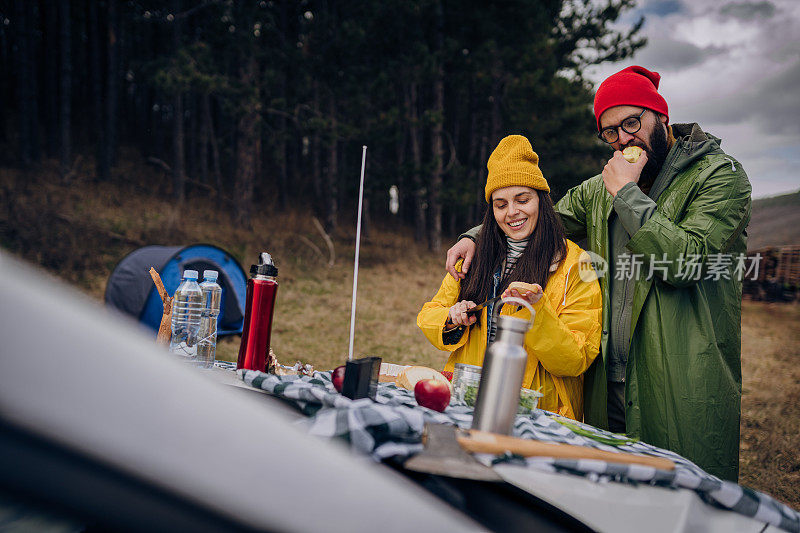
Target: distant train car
{"x": 778, "y": 276}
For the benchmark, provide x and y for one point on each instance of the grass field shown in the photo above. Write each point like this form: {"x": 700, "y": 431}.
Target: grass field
{"x": 98, "y": 224}
{"x": 770, "y": 445}
{"x": 312, "y": 316}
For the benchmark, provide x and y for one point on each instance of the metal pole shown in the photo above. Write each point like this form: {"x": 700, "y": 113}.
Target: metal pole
{"x": 358, "y": 248}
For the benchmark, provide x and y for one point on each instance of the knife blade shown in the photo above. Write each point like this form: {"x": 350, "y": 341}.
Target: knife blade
{"x": 477, "y": 308}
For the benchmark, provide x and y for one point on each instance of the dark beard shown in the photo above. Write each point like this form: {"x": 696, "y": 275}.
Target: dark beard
{"x": 656, "y": 155}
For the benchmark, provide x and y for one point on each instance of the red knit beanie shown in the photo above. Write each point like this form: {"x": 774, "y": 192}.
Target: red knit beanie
{"x": 635, "y": 86}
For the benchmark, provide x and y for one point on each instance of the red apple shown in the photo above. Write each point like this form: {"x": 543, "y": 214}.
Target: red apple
{"x": 337, "y": 376}
{"x": 447, "y": 374}
{"x": 433, "y": 394}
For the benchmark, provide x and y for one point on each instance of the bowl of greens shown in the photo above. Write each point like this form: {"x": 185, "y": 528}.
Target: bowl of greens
{"x": 470, "y": 394}
{"x": 528, "y": 399}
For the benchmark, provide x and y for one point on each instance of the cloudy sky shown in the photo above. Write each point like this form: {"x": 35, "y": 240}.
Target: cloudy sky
{"x": 732, "y": 66}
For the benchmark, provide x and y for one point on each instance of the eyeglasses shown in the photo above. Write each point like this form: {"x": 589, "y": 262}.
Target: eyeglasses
{"x": 630, "y": 125}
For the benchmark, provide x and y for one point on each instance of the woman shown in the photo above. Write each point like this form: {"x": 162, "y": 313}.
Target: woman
{"x": 522, "y": 240}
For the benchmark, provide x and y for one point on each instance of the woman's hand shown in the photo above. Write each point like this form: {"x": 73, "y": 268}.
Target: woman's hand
{"x": 530, "y": 292}
{"x": 458, "y": 314}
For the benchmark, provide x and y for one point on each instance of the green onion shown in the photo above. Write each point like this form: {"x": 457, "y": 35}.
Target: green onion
{"x": 604, "y": 439}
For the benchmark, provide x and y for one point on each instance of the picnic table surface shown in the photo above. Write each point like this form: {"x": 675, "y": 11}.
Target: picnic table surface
{"x": 649, "y": 502}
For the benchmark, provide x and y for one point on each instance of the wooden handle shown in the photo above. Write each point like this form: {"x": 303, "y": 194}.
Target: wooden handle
{"x": 159, "y": 286}
{"x": 484, "y": 442}
{"x": 165, "y": 328}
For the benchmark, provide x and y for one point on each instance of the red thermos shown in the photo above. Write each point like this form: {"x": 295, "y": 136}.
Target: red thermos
{"x": 262, "y": 287}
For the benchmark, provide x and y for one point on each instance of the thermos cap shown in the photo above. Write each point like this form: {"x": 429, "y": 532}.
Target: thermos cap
{"x": 263, "y": 270}
{"x": 265, "y": 267}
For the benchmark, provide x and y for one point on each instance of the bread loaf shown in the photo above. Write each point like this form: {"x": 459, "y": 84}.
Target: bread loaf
{"x": 523, "y": 287}
{"x": 409, "y": 377}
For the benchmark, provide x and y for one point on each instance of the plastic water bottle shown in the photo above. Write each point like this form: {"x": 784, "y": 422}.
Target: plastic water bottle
{"x": 186, "y": 308}
{"x": 212, "y": 296}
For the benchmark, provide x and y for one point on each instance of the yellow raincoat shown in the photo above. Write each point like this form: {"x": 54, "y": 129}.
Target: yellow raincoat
{"x": 563, "y": 342}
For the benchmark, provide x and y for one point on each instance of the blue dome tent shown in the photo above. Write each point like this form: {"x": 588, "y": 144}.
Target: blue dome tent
{"x": 131, "y": 290}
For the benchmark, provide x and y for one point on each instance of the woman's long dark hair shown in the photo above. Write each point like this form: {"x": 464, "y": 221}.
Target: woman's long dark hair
{"x": 546, "y": 244}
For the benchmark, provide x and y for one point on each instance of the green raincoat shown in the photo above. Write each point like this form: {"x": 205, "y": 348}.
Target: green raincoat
{"x": 683, "y": 376}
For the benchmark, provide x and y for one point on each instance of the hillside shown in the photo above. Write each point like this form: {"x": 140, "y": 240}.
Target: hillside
{"x": 775, "y": 221}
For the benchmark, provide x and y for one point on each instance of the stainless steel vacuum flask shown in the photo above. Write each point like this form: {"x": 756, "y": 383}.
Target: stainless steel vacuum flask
{"x": 503, "y": 371}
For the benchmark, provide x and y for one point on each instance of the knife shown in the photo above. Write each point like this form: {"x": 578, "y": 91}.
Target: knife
{"x": 474, "y": 311}
{"x": 477, "y": 308}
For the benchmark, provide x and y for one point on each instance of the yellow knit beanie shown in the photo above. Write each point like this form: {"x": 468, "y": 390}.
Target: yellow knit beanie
{"x": 514, "y": 162}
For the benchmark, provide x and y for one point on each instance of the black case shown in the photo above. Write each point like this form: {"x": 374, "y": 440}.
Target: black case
{"x": 361, "y": 378}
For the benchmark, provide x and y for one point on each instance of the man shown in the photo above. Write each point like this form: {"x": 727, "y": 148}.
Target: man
{"x": 671, "y": 229}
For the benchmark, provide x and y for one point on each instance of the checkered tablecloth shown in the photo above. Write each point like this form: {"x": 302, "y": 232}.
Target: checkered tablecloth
{"x": 392, "y": 426}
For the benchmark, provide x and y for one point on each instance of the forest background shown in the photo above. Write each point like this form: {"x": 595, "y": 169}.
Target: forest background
{"x": 240, "y": 123}
{"x": 267, "y": 103}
